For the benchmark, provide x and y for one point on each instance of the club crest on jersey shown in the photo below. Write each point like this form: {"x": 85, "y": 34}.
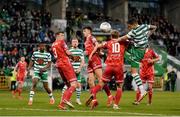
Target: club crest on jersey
{"x": 40, "y": 61}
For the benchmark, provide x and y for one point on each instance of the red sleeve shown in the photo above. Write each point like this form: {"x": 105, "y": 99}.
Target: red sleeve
{"x": 94, "y": 40}
{"x": 154, "y": 54}
{"x": 64, "y": 46}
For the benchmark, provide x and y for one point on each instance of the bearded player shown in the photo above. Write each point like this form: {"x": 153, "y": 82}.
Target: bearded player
{"x": 41, "y": 61}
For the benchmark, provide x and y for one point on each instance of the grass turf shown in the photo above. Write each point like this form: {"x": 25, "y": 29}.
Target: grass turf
{"x": 164, "y": 103}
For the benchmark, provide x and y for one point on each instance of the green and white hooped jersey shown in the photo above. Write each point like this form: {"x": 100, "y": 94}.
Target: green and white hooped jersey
{"x": 40, "y": 59}
{"x": 77, "y": 52}
{"x": 140, "y": 36}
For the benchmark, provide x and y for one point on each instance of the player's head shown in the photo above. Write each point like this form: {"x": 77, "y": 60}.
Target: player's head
{"x": 87, "y": 31}
{"x": 75, "y": 42}
{"x": 132, "y": 23}
{"x": 60, "y": 35}
{"x": 42, "y": 47}
{"x": 22, "y": 58}
{"x": 114, "y": 34}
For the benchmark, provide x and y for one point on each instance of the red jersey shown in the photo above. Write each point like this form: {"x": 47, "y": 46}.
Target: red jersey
{"x": 89, "y": 44}
{"x": 59, "y": 48}
{"x": 116, "y": 50}
{"x": 147, "y": 68}
{"x": 21, "y": 68}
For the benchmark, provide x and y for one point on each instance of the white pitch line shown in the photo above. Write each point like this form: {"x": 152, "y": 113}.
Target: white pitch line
{"x": 81, "y": 111}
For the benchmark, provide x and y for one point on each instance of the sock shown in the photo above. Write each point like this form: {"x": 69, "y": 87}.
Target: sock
{"x": 150, "y": 96}
{"x": 95, "y": 90}
{"x": 63, "y": 97}
{"x": 107, "y": 90}
{"x": 78, "y": 93}
{"x": 138, "y": 82}
{"x": 64, "y": 88}
{"x": 138, "y": 93}
{"x": 20, "y": 91}
{"x": 69, "y": 92}
{"x": 31, "y": 95}
{"x": 118, "y": 96}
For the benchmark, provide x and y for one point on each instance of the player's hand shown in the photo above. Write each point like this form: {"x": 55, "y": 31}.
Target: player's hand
{"x": 78, "y": 70}
{"x": 42, "y": 70}
{"x": 90, "y": 57}
{"x": 151, "y": 61}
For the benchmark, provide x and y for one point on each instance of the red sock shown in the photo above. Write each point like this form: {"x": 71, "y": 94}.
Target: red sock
{"x": 19, "y": 91}
{"x": 91, "y": 89}
{"x": 63, "y": 97}
{"x": 70, "y": 91}
{"x": 107, "y": 90}
{"x": 95, "y": 90}
{"x": 138, "y": 93}
{"x": 118, "y": 96}
{"x": 150, "y": 95}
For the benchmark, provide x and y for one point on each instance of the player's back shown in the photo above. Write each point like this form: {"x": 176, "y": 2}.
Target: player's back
{"x": 116, "y": 52}
{"x": 22, "y": 67}
{"x": 59, "y": 48}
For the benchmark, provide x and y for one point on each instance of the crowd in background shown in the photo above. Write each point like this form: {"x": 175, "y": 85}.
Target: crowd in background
{"x": 22, "y": 27}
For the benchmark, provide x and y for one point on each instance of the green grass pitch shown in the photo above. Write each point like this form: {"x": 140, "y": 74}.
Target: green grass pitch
{"x": 164, "y": 104}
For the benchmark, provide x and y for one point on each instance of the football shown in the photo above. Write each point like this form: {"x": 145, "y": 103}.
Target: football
{"x": 105, "y": 27}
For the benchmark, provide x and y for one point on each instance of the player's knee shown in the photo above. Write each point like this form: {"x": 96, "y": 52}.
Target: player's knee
{"x": 119, "y": 85}
{"x": 91, "y": 81}
{"x": 74, "y": 84}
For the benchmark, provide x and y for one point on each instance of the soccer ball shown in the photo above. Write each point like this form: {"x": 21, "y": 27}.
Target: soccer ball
{"x": 105, "y": 27}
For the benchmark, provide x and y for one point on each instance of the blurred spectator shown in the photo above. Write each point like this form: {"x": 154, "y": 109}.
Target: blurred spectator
{"x": 172, "y": 76}
{"x": 166, "y": 81}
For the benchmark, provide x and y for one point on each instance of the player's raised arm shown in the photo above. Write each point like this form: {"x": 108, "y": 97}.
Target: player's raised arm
{"x": 123, "y": 38}
{"x": 95, "y": 49}
{"x": 152, "y": 29}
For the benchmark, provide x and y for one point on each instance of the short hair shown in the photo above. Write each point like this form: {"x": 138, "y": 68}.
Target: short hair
{"x": 114, "y": 34}
{"x": 132, "y": 21}
{"x": 88, "y": 27}
{"x": 74, "y": 38}
{"x": 57, "y": 33}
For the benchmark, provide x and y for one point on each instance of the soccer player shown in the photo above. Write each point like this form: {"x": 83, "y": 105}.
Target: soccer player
{"x": 65, "y": 68}
{"x": 94, "y": 67}
{"x": 114, "y": 67}
{"x": 41, "y": 61}
{"x": 77, "y": 65}
{"x": 139, "y": 35}
{"x": 21, "y": 71}
{"x": 147, "y": 73}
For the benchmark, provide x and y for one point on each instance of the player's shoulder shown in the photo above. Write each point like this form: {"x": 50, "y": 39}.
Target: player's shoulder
{"x": 47, "y": 53}
{"x": 36, "y": 52}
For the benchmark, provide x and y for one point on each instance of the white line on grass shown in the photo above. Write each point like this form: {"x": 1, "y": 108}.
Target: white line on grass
{"x": 81, "y": 111}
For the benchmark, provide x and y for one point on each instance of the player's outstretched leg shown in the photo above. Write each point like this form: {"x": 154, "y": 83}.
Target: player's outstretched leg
{"x": 93, "y": 94}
